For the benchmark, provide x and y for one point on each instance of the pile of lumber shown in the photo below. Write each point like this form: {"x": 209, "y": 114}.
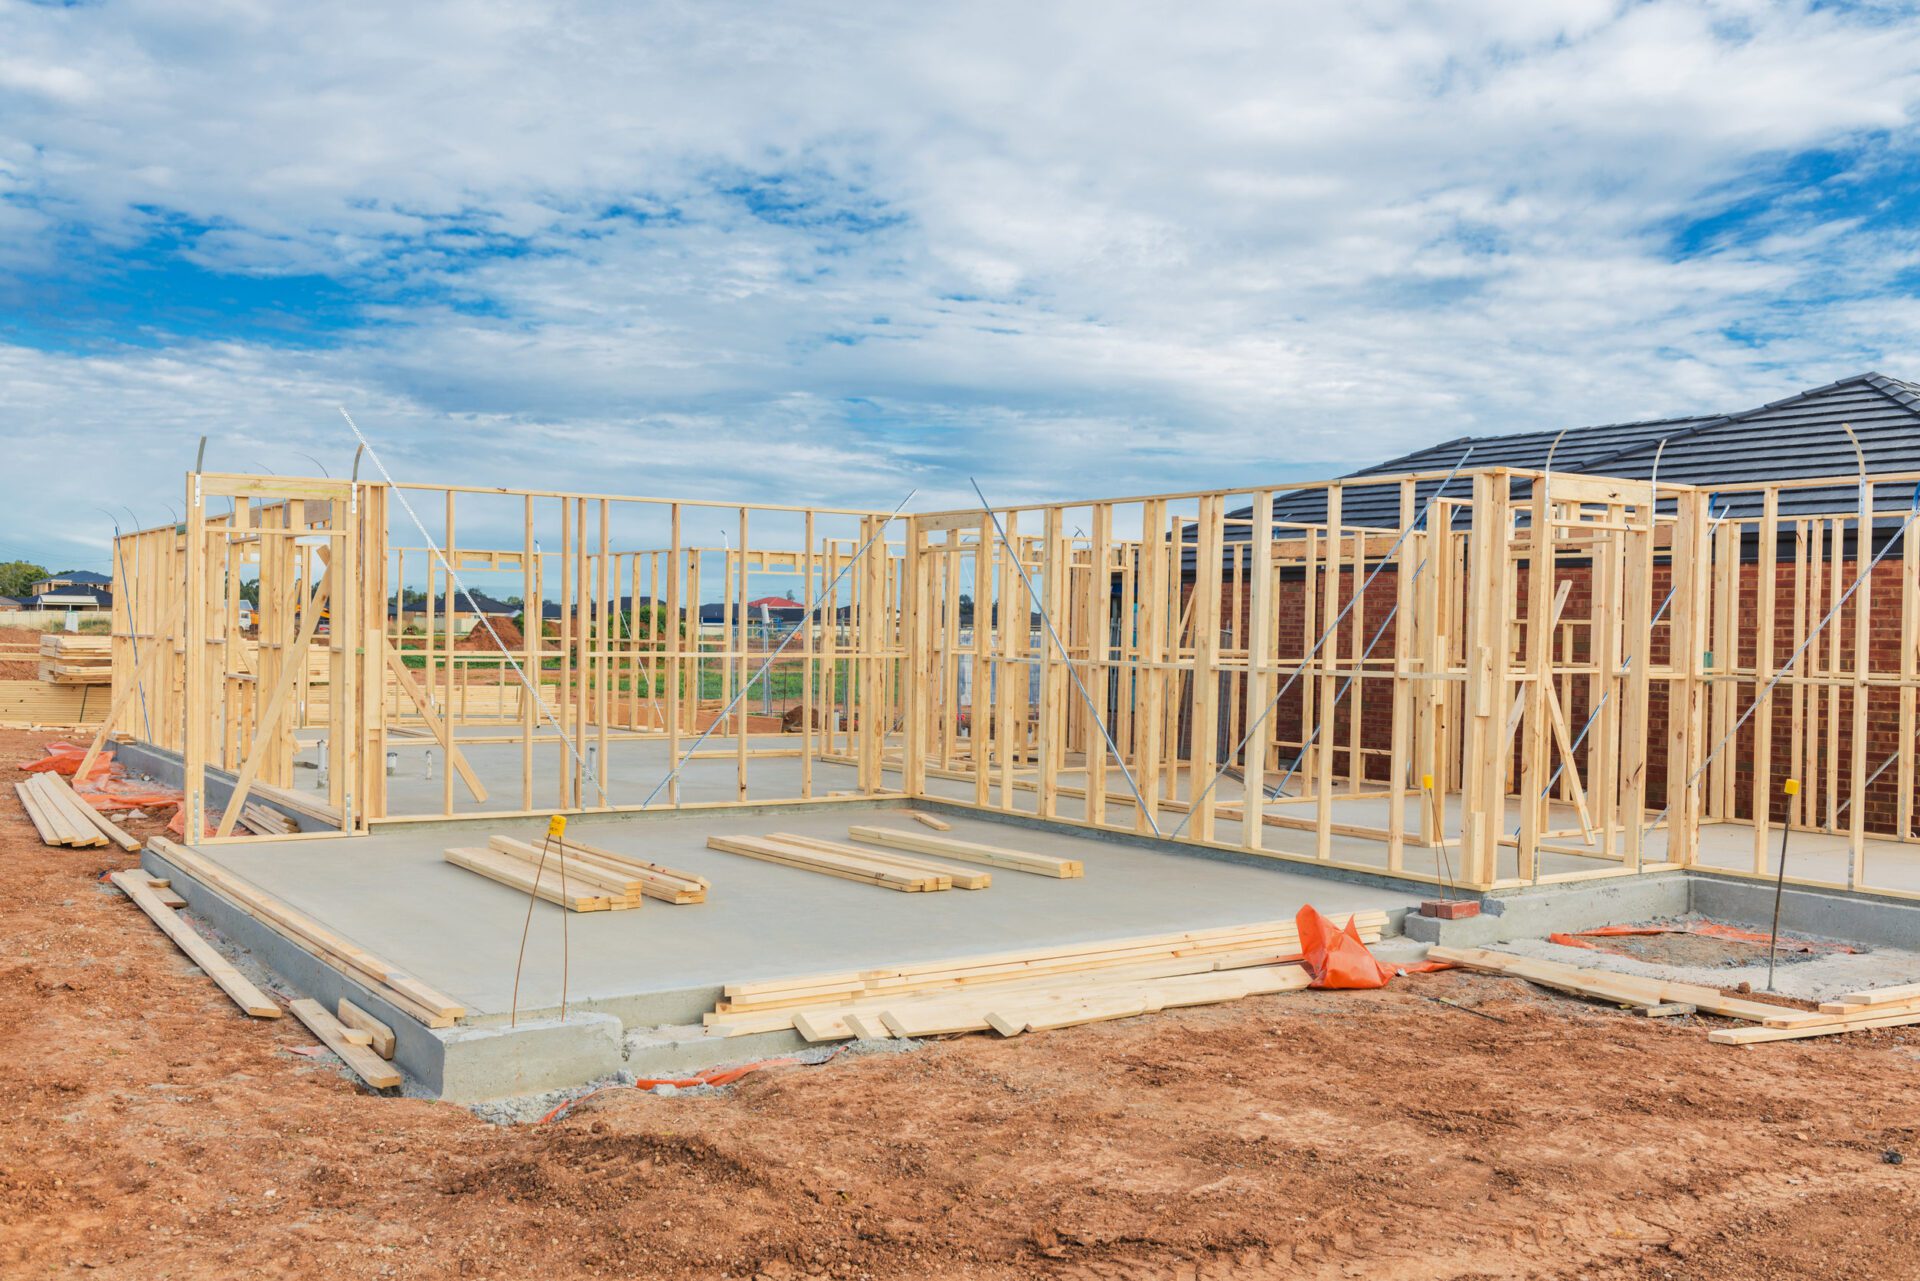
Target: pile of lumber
{"x": 969, "y": 852}
{"x": 262, "y": 821}
{"x": 37, "y": 704}
{"x": 656, "y": 882}
{"x": 401, "y": 990}
{"x": 62, "y": 818}
{"x": 580, "y": 878}
{"x": 1886, "y": 1007}
{"x": 850, "y": 862}
{"x": 1078, "y": 982}
{"x": 69, "y": 659}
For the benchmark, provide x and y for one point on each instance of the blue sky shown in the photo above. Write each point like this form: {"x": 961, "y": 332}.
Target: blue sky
{"x": 830, "y": 252}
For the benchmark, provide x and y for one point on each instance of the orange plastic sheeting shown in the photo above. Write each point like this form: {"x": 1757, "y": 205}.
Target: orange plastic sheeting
{"x": 1706, "y": 929}
{"x": 65, "y": 758}
{"x": 1428, "y": 967}
{"x": 1336, "y": 958}
{"x": 117, "y": 794}
{"x": 179, "y": 824}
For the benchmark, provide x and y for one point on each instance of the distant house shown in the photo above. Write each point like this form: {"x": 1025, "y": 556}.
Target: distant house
{"x": 8, "y": 602}
{"x": 54, "y": 583}
{"x": 464, "y": 605}
{"x": 70, "y": 597}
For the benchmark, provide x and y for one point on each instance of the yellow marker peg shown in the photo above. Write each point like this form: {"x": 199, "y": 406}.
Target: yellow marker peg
{"x": 557, "y": 827}
{"x": 1426, "y": 781}
{"x": 1793, "y": 787}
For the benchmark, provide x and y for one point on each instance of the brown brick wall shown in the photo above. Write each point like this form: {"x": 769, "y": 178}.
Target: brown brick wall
{"x": 1883, "y": 705}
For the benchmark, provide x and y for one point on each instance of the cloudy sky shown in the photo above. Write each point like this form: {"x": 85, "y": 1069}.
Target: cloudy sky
{"x": 830, "y": 252}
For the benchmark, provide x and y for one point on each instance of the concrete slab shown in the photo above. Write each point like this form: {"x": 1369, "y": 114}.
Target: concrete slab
{"x": 664, "y": 965}
{"x": 394, "y": 894}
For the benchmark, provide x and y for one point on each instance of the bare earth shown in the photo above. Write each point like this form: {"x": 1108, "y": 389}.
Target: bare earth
{"x": 149, "y": 1130}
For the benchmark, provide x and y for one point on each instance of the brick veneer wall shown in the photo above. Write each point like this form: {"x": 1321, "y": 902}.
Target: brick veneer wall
{"x": 1883, "y": 706}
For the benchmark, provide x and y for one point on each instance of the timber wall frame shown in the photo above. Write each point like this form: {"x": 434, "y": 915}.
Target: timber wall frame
{"x": 1571, "y": 659}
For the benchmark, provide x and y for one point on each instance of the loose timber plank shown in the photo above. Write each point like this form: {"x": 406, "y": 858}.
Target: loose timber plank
{"x": 800, "y": 857}
{"x": 1757, "y": 1035}
{"x": 370, "y": 1067}
{"x": 402, "y": 990}
{"x": 970, "y": 852}
{"x": 1368, "y": 924}
{"x": 1612, "y": 986}
{"x": 202, "y": 953}
{"x": 962, "y": 878}
{"x": 928, "y": 820}
{"x": 1881, "y": 995}
{"x": 380, "y": 1036}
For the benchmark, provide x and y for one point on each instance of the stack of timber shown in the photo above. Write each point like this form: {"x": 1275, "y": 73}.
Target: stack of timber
{"x": 62, "y": 818}
{"x": 565, "y": 882}
{"x": 664, "y": 883}
{"x": 1027, "y": 989}
{"x": 34, "y": 704}
{"x": 969, "y": 852}
{"x": 67, "y": 659}
{"x": 137, "y": 886}
{"x": 394, "y": 986}
{"x": 849, "y": 862}
{"x": 262, "y": 821}
{"x": 1777, "y": 1022}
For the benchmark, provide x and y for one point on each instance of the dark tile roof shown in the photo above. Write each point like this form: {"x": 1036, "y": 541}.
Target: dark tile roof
{"x": 1798, "y": 437}
{"x": 80, "y": 578}
{"x": 66, "y": 597}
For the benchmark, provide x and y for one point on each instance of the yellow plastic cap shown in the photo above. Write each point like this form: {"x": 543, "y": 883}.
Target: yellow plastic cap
{"x": 1793, "y": 787}
{"x": 557, "y": 826}
{"x": 1426, "y": 781}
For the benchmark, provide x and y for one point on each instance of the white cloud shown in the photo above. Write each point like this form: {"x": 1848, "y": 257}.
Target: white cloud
{"x": 821, "y": 253}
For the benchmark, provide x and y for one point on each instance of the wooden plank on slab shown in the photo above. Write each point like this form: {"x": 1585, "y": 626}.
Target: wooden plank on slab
{"x": 969, "y": 851}
{"x": 962, "y": 878}
{"x": 511, "y": 872}
{"x": 367, "y": 1065}
{"x": 402, "y": 990}
{"x": 928, "y": 820}
{"x": 666, "y": 883}
{"x": 202, "y": 953}
{"x": 827, "y": 865}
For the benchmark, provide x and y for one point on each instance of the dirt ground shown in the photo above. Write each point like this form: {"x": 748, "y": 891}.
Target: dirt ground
{"x": 14, "y": 639}
{"x": 148, "y": 1130}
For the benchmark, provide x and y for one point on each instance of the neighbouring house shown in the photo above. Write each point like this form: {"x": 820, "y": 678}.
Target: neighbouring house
{"x": 71, "y": 578}
{"x": 464, "y": 606}
{"x": 1855, "y": 429}
{"x": 75, "y": 598}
